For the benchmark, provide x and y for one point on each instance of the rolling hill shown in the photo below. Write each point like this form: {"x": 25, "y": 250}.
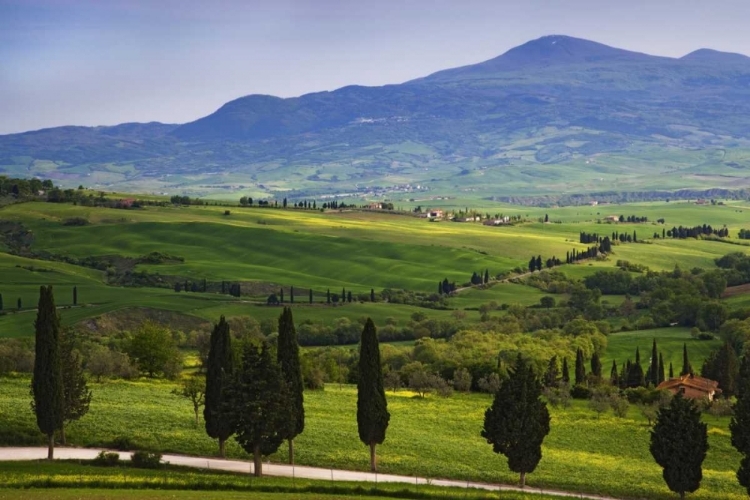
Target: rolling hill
{"x": 554, "y": 115}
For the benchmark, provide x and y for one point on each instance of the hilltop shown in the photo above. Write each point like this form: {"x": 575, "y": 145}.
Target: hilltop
{"x": 556, "y": 114}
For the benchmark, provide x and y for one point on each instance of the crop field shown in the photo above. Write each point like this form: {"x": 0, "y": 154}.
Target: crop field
{"x": 358, "y": 251}
{"x": 432, "y": 437}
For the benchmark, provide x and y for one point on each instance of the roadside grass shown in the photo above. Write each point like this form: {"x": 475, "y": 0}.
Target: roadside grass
{"x": 432, "y": 437}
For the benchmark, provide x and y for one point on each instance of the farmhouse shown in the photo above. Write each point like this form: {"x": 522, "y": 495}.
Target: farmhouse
{"x": 612, "y": 218}
{"x": 435, "y": 214}
{"x": 375, "y": 206}
{"x": 692, "y": 386}
{"x": 497, "y": 222}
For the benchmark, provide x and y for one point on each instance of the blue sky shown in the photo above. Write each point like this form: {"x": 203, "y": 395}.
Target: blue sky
{"x": 102, "y": 62}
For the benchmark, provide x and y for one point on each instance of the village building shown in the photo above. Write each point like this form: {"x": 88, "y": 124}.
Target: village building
{"x": 692, "y": 386}
{"x": 612, "y": 218}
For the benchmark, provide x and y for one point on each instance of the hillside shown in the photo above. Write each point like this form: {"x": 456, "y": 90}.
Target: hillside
{"x": 557, "y": 114}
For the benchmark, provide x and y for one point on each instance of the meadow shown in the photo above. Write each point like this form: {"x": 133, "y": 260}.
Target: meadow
{"x": 355, "y": 250}
{"x": 432, "y": 437}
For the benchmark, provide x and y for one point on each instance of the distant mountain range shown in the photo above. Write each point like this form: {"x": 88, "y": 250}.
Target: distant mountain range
{"x": 556, "y": 114}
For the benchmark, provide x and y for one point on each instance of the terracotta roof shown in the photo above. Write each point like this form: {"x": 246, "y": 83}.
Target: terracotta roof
{"x": 700, "y": 383}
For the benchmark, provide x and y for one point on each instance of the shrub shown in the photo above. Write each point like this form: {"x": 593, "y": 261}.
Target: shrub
{"x": 107, "y": 459}
{"x": 122, "y": 443}
{"x": 580, "y": 392}
{"x": 619, "y": 405}
{"x": 146, "y": 459}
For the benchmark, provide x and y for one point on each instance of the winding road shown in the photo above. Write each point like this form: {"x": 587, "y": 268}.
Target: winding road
{"x": 269, "y": 469}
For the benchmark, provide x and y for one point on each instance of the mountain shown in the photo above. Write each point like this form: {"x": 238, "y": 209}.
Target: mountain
{"x": 554, "y": 114}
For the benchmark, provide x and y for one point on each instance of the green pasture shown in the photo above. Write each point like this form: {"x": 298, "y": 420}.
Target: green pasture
{"x": 432, "y": 437}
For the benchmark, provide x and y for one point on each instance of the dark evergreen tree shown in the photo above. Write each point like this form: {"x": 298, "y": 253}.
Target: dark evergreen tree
{"x": 580, "y": 367}
{"x": 653, "y": 367}
{"x": 636, "y": 377}
{"x": 686, "y": 367}
{"x": 75, "y": 295}
{"x": 343, "y": 295}
{"x": 722, "y": 366}
{"x": 671, "y": 371}
{"x": 372, "y": 295}
{"x": 19, "y": 303}
{"x": 281, "y": 295}
{"x": 76, "y": 394}
{"x": 614, "y": 377}
{"x": 259, "y": 404}
{"x": 743, "y": 377}
{"x": 552, "y": 374}
{"x": 291, "y": 295}
{"x": 596, "y": 366}
{"x": 740, "y": 429}
{"x": 46, "y": 383}
{"x": 532, "y": 264}
{"x": 486, "y": 276}
{"x": 539, "y": 263}
{"x": 1, "y": 301}
{"x": 311, "y": 296}
{"x": 679, "y": 442}
{"x": 518, "y": 421}
{"x": 288, "y": 358}
{"x": 219, "y": 369}
{"x": 372, "y": 408}
{"x": 349, "y": 296}
{"x": 565, "y": 372}
{"x": 328, "y": 296}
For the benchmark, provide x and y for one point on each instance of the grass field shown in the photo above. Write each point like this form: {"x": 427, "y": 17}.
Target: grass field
{"x": 355, "y": 250}
{"x": 430, "y": 437}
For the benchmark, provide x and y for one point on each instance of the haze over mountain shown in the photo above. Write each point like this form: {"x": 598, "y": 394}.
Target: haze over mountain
{"x": 556, "y": 113}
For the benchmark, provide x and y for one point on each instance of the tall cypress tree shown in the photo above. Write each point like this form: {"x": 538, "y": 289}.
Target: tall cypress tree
{"x": 372, "y": 293}
{"x": 75, "y": 295}
{"x": 679, "y": 442}
{"x": 614, "y": 377}
{"x": 328, "y": 296}
{"x": 686, "y": 368}
{"x": 743, "y": 378}
{"x": 291, "y": 295}
{"x": 723, "y": 367}
{"x": 580, "y": 367}
{"x": 653, "y": 369}
{"x": 565, "y": 372}
{"x": 259, "y": 401}
{"x": 518, "y": 420}
{"x": 311, "y": 296}
{"x": 1, "y": 301}
{"x": 552, "y": 373}
{"x": 486, "y": 276}
{"x": 596, "y": 366}
{"x": 76, "y": 394}
{"x": 46, "y": 383}
{"x": 219, "y": 369}
{"x": 740, "y": 428}
{"x": 288, "y": 358}
{"x": 372, "y": 408}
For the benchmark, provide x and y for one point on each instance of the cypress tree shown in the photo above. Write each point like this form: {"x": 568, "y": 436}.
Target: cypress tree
{"x": 372, "y": 408}
{"x": 349, "y": 296}
{"x": 328, "y": 296}
{"x": 679, "y": 442}
{"x": 723, "y": 367}
{"x": 636, "y": 376}
{"x": 671, "y": 371}
{"x": 219, "y": 369}
{"x": 686, "y": 368}
{"x": 740, "y": 429}
{"x": 281, "y": 295}
{"x": 661, "y": 368}
{"x": 259, "y": 401}
{"x": 19, "y": 304}
{"x": 372, "y": 292}
{"x": 1, "y": 301}
{"x": 552, "y": 373}
{"x": 291, "y": 295}
{"x": 653, "y": 369}
{"x": 288, "y": 358}
{"x": 486, "y": 276}
{"x": 46, "y": 383}
{"x": 596, "y": 366}
{"x": 518, "y": 420}
{"x": 614, "y": 378}
{"x": 76, "y": 394}
{"x": 343, "y": 295}
{"x": 75, "y": 295}
{"x": 565, "y": 372}
{"x": 743, "y": 378}
{"x": 580, "y": 367}
{"x": 311, "y": 296}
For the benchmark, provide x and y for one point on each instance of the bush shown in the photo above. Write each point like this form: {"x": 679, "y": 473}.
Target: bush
{"x": 619, "y": 405}
{"x": 122, "y": 443}
{"x": 107, "y": 459}
{"x": 146, "y": 459}
{"x": 580, "y": 392}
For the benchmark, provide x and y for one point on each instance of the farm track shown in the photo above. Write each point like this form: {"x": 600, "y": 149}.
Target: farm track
{"x": 281, "y": 470}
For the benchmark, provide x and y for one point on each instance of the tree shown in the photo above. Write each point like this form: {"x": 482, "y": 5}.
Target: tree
{"x": 722, "y": 366}
{"x": 552, "y": 374}
{"x": 653, "y": 367}
{"x": 596, "y": 366}
{"x": 679, "y": 442}
{"x": 311, "y": 296}
{"x": 19, "y": 304}
{"x": 372, "y": 408}
{"x": 372, "y": 295}
{"x": 517, "y": 422}
{"x": 46, "y": 383}
{"x": 76, "y": 394}
{"x": 153, "y": 349}
{"x": 219, "y": 370}
{"x": 288, "y": 358}
{"x": 258, "y": 402}
{"x": 614, "y": 377}
{"x": 580, "y": 367}
{"x": 291, "y": 295}
{"x": 1, "y": 301}
{"x": 486, "y": 276}
{"x": 740, "y": 429}
{"x": 194, "y": 389}
{"x": 686, "y": 367}
{"x": 661, "y": 368}
{"x": 547, "y": 302}
{"x": 75, "y": 295}
{"x": 565, "y": 372}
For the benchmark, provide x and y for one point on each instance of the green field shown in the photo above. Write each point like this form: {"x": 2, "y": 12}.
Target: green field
{"x": 432, "y": 437}
{"x": 355, "y": 250}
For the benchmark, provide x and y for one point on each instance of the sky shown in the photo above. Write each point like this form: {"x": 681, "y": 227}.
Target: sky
{"x": 103, "y": 62}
